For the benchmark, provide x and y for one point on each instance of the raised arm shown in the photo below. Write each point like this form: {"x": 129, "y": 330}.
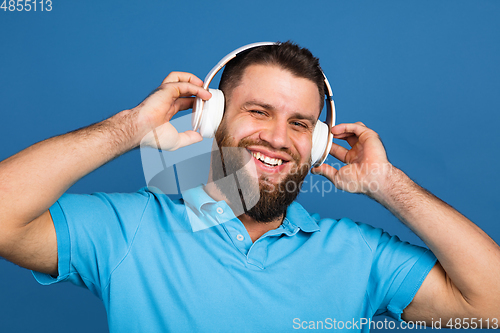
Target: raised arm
{"x": 465, "y": 283}
{"x": 32, "y": 180}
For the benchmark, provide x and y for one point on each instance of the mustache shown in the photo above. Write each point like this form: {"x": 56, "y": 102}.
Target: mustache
{"x": 246, "y": 142}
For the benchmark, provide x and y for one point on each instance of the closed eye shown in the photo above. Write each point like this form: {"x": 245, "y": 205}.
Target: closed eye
{"x": 299, "y": 124}
{"x": 258, "y": 112}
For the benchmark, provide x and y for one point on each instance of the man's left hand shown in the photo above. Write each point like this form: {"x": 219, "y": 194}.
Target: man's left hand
{"x": 367, "y": 166}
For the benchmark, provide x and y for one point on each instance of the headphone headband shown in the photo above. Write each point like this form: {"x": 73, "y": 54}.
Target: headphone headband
{"x": 228, "y": 58}
{"x": 196, "y": 120}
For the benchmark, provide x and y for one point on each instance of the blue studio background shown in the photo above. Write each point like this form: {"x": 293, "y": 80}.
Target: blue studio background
{"x": 424, "y": 74}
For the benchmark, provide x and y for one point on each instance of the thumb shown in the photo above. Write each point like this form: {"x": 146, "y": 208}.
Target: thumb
{"x": 326, "y": 171}
{"x": 187, "y": 138}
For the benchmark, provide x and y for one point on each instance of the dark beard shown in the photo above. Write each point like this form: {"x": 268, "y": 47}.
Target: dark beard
{"x": 262, "y": 200}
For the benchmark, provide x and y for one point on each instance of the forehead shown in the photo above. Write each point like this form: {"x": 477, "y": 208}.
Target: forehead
{"x": 278, "y": 87}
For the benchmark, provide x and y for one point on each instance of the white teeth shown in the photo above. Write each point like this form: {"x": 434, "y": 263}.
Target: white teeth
{"x": 267, "y": 159}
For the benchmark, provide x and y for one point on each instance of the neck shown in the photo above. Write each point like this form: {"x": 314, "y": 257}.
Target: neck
{"x": 256, "y": 229}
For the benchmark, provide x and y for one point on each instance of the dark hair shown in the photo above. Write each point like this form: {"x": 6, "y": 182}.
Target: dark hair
{"x": 288, "y": 55}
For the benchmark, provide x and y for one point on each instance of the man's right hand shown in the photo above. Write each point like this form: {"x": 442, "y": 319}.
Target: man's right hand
{"x": 155, "y": 112}
{"x": 34, "y": 179}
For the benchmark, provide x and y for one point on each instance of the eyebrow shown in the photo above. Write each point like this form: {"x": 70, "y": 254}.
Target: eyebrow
{"x": 270, "y": 107}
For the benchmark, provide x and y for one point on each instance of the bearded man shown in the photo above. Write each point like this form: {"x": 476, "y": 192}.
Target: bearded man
{"x": 271, "y": 267}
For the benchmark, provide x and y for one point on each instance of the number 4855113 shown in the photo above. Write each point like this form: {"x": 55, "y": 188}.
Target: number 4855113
{"x": 26, "y": 5}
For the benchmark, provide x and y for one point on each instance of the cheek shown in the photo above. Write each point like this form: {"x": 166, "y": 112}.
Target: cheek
{"x": 303, "y": 147}
{"x": 244, "y": 129}
{"x": 233, "y": 128}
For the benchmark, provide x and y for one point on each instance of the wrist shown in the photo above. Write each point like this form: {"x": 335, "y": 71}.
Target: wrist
{"x": 397, "y": 191}
{"x": 387, "y": 182}
{"x": 144, "y": 124}
{"x": 124, "y": 130}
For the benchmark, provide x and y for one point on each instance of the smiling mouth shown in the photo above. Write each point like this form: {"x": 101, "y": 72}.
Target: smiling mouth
{"x": 273, "y": 162}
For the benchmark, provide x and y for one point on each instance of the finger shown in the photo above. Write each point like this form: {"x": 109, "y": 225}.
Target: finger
{"x": 326, "y": 171}
{"x": 351, "y": 139}
{"x": 187, "y": 89}
{"x": 183, "y": 77}
{"x": 183, "y": 89}
{"x": 339, "y": 152}
{"x": 187, "y": 138}
{"x": 344, "y": 130}
{"x": 183, "y": 103}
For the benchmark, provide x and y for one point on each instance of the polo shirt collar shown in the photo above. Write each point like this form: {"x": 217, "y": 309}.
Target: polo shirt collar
{"x": 197, "y": 197}
{"x": 296, "y": 215}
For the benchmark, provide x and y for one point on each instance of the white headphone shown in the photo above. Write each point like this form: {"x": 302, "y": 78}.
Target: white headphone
{"x": 207, "y": 115}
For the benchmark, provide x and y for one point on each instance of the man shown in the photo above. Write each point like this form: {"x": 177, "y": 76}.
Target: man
{"x": 272, "y": 268}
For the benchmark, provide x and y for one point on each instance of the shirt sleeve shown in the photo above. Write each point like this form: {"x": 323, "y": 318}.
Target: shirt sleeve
{"x": 94, "y": 233}
{"x": 398, "y": 270}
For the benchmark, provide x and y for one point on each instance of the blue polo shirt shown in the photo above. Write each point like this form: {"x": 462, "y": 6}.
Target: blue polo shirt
{"x": 189, "y": 265}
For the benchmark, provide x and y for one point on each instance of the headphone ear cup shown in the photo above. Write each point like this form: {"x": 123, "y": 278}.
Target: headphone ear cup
{"x": 319, "y": 143}
{"x": 213, "y": 110}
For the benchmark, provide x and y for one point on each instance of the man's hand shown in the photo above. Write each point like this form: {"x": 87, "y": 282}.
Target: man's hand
{"x": 34, "y": 179}
{"x": 156, "y": 111}
{"x": 366, "y": 166}
{"x": 464, "y": 283}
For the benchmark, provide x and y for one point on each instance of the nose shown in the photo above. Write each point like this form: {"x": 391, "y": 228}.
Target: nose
{"x": 276, "y": 134}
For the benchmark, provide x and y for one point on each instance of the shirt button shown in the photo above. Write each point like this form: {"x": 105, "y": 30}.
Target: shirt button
{"x": 220, "y": 210}
{"x": 240, "y": 237}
